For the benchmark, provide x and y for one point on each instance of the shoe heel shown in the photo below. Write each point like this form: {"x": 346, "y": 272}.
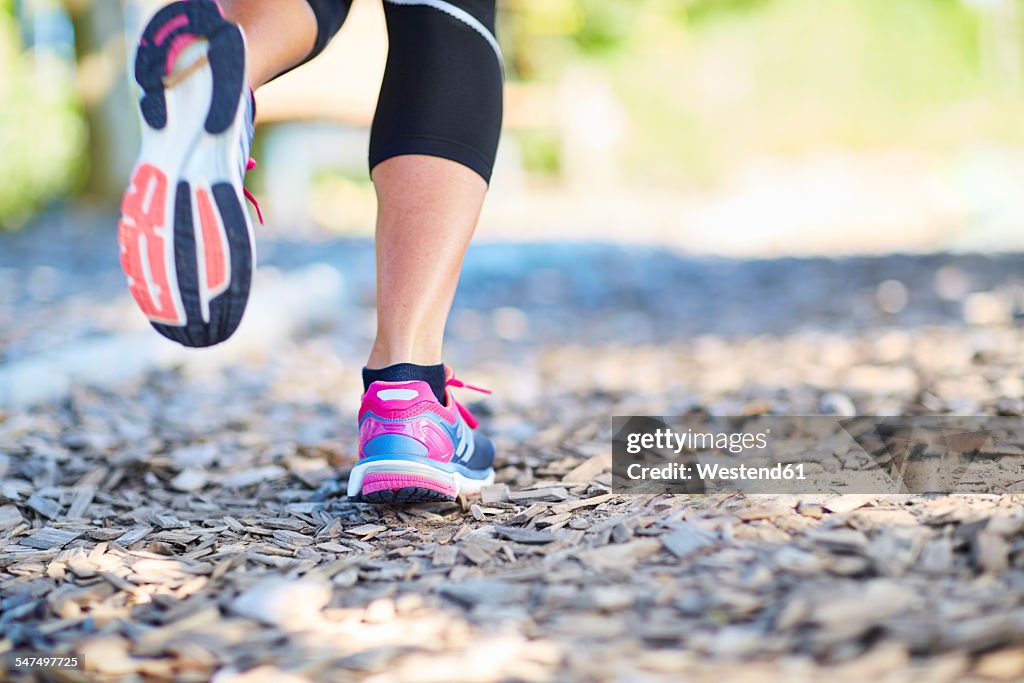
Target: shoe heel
{"x": 168, "y": 33}
{"x": 399, "y": 482}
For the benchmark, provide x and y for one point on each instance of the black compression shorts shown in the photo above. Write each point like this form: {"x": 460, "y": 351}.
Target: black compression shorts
{"x": 442, "y": 89}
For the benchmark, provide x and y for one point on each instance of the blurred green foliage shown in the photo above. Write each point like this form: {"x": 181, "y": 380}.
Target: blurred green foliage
{"x": 708, "y": 84}
{"x": 42, "y": 134}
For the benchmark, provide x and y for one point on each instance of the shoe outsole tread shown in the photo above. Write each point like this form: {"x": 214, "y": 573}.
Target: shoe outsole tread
{"x": 174, "y": 26}
{"x": 409, "y": 494}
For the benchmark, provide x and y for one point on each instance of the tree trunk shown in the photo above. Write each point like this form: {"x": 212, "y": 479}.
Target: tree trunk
{"x": 102, "y": 85}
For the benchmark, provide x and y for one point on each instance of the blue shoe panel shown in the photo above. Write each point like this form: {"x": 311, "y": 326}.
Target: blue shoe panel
{"x": 394, "y": 444}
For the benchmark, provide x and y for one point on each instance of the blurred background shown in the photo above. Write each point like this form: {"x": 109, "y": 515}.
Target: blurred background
{"x": 727, "y": 126}
{"x": 669, "y": 168}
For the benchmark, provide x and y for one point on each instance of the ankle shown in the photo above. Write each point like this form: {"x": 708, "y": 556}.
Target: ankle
{"x": 386, "y": 354}
{"x": 433, "y": 375}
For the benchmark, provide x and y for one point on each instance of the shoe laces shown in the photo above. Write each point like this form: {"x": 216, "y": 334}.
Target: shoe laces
{"x": 463, "y": 410}
{"x": 249, "y": 165}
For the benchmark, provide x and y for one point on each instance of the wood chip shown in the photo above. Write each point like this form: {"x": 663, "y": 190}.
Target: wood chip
{"x": 686, "y": 539}
{"x": 770, "y": 511}
{"x": 292, "y": 537}
{"x": 498, "y": 493}
{"x": 571, "y": 505}
{"x": 48, "y": 537}
{"x": 81, "y": 501}
{"x": 552, "y": 493}
{"x": 189, "y": 479}
{"x": 849, "y": 502}
{"x": 105, "y": 534}
{"x": 589, "y": 468}
{"x": 484, "y": 592}
{"x": 991, "y": 553}
{"x": 10, "y": 517}
{"x": 520, "y": 535}
{"x": 1003, "y": 665}
{"x": 284, "y": 603}
{"x": 475, "y": 553}
{"x": 241, "y": 480}
{"x": 619, "y": 556}
{"x": 529, "y": 513}
{"x": 366, "y": 530}
{"x": 134, "y": 535}
{"x": 840, "y": 540}
{"x": 444, "y": 556}
{"x": 169, "y": 521}
{"x": 44, "y": 506}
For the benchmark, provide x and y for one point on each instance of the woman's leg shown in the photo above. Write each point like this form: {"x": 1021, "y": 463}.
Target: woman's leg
{"x": 428, "y": 208}
{"x": 279, "y": 35}
{"x": 432, "y": 149}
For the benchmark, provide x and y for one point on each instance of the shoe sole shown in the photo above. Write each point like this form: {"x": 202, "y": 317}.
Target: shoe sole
{"x": 403, "y": 481}
{"x": 186, "y": 240}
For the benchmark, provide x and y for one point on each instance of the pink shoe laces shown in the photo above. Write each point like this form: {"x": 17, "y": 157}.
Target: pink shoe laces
{"x": 463, "y": 410}
{"x": 251, "y": 164}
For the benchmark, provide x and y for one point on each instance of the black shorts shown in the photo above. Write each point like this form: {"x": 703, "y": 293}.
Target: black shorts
{"x": 442, "y": 89}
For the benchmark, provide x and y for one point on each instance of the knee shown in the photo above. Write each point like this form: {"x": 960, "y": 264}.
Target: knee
{"x": 482, "y": 12}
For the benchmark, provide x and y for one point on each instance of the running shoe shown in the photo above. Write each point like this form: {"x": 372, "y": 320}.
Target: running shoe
{"x": 414, "y": 449}
{"x": 186, "y": 238}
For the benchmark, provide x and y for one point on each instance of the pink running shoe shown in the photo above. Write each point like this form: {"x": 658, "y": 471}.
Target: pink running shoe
{"x": 413, "y": 449}
{"x": 186, "y": 240}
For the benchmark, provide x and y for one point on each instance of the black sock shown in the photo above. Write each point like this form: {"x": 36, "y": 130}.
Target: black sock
{"x": 403, "y": 372}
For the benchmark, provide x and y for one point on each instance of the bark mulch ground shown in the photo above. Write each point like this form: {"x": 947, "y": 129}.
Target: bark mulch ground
{"x": 193, "y": 525}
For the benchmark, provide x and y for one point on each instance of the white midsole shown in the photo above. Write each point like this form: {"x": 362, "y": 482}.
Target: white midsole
{"x": 461, "y": 483}
{"x": 184, "y": 151}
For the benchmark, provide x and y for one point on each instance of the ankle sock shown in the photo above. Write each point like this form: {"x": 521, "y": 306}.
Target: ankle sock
{"x": 404, "y": 372}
